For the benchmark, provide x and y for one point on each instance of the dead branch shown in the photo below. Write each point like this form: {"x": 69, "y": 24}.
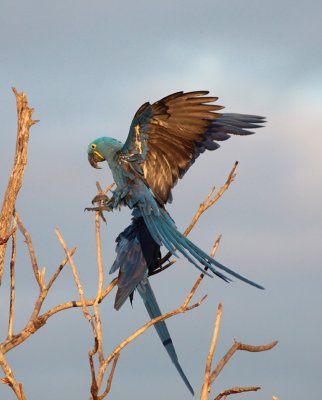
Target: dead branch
{"x": 206, "y": 385}
{"x": 99, "y": 288}
{"x": 75, "y": 275}
{"x": 238, "y": 346}
{"x": 36, "y": 323}
{"x": 12, "y": 282}
{"x": 5, "y": 239}
{"x": 34, "y": 263}
{"x": 97, "y": 325}
{"x": 210, "y": 378}
{"x": 211, "y": 199}
{"x": 10, "y": 379}
{"x": 59, "y": 269}
{"x": 236, "y": 390}
{"x": 202, "y": 275}
{"x": 110, "y": 378}
{"x": 25, "y": 121}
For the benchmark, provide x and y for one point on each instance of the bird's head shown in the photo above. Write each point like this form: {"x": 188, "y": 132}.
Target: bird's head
{"x": 102, "y": 149}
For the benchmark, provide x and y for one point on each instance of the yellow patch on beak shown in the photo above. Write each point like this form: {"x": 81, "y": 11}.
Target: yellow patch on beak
{"x": 98, "y": 154}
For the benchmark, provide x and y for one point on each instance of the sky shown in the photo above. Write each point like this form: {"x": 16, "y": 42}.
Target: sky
{"x": 86, "y": 68}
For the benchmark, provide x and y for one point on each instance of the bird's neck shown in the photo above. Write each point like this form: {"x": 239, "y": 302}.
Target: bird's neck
{"x": 110, "y": 151}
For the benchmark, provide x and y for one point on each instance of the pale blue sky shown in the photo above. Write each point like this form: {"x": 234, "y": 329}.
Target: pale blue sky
{"x": 87, "y": 67}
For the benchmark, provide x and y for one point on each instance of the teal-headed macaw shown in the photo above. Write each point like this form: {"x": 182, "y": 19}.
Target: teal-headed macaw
{"x": 164, "y": 140}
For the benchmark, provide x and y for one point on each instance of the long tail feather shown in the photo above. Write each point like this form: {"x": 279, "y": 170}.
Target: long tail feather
{"x": 163, "y": 230}
{"x": 148, "y": 297}
{"x": 138, "y": 253}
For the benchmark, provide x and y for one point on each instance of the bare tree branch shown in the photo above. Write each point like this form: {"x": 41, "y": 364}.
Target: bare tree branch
{"x": 5, "y": 239}
{"x": 206, "y": 385}
{"x": 110, "y": 378}
{"x": 25, "y": 121}
{"x": 97, "y": 325}
{"x": 59, "y": 269}
{"x": 211, "y": 199}
{"x": 10, "y": 378}
{"x": 12, "y": 282}
{"x": 99, "y": 288}
{"x": 34, "y": 324}
{"x": 238, "y": 346}
{"x": 31, "y": 249}
{"x": 75, "y": 275}
{"x": 202, "y": 275}
{"x": 236, "y": 390}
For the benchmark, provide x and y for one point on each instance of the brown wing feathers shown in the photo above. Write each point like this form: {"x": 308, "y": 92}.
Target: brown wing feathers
{"x": 179, "y": 121}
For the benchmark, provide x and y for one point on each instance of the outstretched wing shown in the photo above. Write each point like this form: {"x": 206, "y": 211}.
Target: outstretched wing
{"x": 166, "y": 137}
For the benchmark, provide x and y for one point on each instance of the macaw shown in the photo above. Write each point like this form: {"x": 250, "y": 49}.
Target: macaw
{"x": 164, "y": 140}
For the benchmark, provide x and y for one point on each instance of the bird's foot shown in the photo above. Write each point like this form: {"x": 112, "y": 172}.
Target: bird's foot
{"x": 100, "y": 209}
{"x": 100, "y": 198}
{"x": 103, "y": 204}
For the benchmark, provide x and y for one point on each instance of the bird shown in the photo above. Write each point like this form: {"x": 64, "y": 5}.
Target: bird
{"x": 164, "y": 140}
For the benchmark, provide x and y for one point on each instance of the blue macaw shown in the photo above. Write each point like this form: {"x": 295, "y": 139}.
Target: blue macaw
{"x": 164, "y": 140}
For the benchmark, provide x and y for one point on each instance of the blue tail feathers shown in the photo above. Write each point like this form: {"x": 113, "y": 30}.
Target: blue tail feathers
{"x": 164, "y": 231}
{"x": 150, "y": 302}
{"x": 138, "y": 255}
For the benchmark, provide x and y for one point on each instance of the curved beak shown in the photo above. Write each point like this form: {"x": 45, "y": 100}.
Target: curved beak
{"x": 94, "y": 158}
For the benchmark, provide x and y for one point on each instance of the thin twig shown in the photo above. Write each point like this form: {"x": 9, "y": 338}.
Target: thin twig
{"x": 45, "y": 289}
{"x": 238, "y": 346}
{"x": 209, "y": 200}
{"x": 206, "y": 385}
{"x": 75, "y": 275}
{"x": 99, "y": 289}
{"x": 12, "y": 282}
{"x": 101, "y": 191}
{"x": 97, "y": 325}
{"x": 25, "y": 121}
{"x": 94, "y": 387}
{"x": 5, "y": 239}
{"x": 236, "y": 390}
{"x": 59, "y": 269}
{"x": 202, "y": 275}
{"x": 99, "y": 258}
{"x": 110, "y": 378}
{"x": 32, "y": 254}
{"x": 10, "y": 379}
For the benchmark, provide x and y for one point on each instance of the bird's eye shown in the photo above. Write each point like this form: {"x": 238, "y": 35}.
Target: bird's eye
{"x": 93, "y": 146}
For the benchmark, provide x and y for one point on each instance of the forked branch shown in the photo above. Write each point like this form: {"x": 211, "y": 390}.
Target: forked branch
{"x": 210, "y": 377}
{"x": 236, "y": 390}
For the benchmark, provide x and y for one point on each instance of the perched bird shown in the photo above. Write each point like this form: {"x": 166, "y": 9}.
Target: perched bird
{"x": 164, "y": 140}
